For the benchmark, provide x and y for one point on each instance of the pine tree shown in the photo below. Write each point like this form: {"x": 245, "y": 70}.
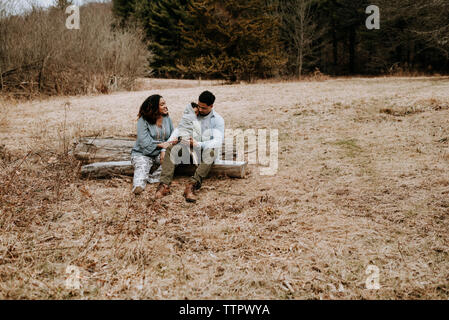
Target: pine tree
{"x": 123, "y": 10}
{"x": 234, "y": 39}
{"x": 161, "y": 19}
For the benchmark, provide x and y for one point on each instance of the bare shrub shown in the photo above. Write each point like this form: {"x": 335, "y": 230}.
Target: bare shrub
{"x": 39, "y": 55}
{"x": 4, "y": 113}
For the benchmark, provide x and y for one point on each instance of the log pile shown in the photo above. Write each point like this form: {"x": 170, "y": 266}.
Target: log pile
{"x": 106, "y": 157}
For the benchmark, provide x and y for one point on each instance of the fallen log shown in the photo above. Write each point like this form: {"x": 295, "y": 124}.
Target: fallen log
{"x": 233, "y": 169}
{"x": 92, "y": 149}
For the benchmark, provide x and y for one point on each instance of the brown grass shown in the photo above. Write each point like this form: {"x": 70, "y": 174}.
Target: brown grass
{"x": 356, "y": 186}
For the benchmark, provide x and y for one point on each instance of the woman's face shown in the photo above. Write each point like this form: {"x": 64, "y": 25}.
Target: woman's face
{"x": 163, "y": 110}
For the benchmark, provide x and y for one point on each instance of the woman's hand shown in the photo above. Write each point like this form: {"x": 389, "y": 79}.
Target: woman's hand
{"x": 164, "y": 145}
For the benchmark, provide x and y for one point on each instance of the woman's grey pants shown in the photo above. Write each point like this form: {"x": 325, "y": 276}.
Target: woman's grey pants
{"x": 142, "y": 166}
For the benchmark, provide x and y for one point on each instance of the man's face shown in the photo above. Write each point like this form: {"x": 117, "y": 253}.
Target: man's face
{"x": 204, "y": 109}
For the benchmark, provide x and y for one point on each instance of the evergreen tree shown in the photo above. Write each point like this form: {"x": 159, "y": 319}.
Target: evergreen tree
{"x": 162, "y": 21}
{"x": 123, "y": 10}
{"x": 234, "y": 39}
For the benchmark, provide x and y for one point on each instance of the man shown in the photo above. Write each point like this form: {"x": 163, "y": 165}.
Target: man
{"x": 212, "y": 133}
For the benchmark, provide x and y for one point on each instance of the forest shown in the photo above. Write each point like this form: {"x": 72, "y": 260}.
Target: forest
{"x": 236, "y": 39}
{"x": 121, "y": 41}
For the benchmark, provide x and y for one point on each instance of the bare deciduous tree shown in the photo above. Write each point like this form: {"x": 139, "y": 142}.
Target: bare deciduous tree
{"x": 38, "y": 54}
{"x": 299, "y": 29}
{"x": 62, "y": 4}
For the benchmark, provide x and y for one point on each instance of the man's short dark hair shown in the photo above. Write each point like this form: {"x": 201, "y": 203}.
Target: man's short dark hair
{"x": 207, "y": 97}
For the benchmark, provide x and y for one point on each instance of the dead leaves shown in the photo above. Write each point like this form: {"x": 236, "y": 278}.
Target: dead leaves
{"x": 85, "y": 192}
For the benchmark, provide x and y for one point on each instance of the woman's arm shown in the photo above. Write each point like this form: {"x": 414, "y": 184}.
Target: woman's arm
{"x": 164, "y": 145}
{"x": 174, "y": 133}
{"x": 171, "y": 126}
{"x": 144, "y": 138}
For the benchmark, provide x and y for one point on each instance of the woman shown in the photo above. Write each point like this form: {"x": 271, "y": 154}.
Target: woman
{"x": 154, "y": 127}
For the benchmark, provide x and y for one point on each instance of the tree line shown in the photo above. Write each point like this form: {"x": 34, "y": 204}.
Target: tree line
{"x": 249, "y": 39}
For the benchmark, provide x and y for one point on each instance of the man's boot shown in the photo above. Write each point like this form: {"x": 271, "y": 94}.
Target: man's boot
{"x": 189, "y": 192}
{"x": 162, "y": 191}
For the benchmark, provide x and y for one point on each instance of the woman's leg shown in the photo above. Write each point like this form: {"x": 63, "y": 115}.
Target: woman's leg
{"x": 156, "y": 175}
{"x": 142, "y": 166}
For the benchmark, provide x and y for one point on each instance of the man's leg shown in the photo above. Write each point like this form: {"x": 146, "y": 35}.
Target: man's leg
{"x": 168, "y": 168}
{"x": 201, "y": 173}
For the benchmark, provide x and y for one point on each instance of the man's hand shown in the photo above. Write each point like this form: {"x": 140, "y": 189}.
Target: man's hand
{"x": 193, "y": 143}
{"x": 190, "y": 142}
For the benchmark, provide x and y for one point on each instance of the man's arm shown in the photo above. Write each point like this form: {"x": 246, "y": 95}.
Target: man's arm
{"x": 174, "y": 136}
{"x": 217, "y": 133}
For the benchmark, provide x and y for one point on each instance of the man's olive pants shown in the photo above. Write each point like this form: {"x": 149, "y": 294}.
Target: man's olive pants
{"x": 202, "y": 171}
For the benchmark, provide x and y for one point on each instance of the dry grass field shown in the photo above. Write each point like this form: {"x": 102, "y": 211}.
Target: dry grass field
{"x": 363, "y": 180}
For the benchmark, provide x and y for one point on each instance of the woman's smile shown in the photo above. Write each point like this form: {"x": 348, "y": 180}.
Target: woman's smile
{"x": 163, "y": 107}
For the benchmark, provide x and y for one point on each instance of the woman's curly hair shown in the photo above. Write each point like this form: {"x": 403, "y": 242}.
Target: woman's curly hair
{"x": 150, "y": 109}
